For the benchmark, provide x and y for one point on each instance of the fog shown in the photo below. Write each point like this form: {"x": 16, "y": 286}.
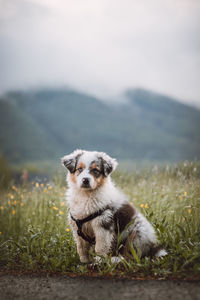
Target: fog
{"x": 102, "y": 47}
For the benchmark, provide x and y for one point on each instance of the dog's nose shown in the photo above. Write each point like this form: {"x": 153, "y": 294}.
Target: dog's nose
{"x": 85, "y": 181}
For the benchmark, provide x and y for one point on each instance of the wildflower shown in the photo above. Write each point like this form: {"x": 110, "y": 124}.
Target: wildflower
{"x": 185, "y": 193}
{"x": 22, "y": 204}
{"x": 141, "y": 205}
{"x": 15, "y": 202}
{"x": 49, "y": 187}
{"x": 189, "y": 210}
{"x": 45, "y": 190}
{"x": 55, "y": 208}
{"x": 60, "y": 212}
{"x": 11, "y": 196}
{"x": 37, "y": 185}
{"x": 1, "y": 207}
{"x": 0, "y": 233}
{"x": 14, "y": 188}
{"x": 13, "y": 212}
{"x": 42, "y": 184}
{"x": 67, "y": 229}
{"x": 146, "y": 205}
{"x": 181, "y": 197}
{"x": 62, "y": 203}
{"x": 8, "y": 202}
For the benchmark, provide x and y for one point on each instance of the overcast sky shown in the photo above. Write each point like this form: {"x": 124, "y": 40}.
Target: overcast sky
{"x": 102, "y": 46}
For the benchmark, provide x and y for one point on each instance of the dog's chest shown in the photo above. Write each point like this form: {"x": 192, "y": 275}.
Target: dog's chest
{"x": 82, "y": 206}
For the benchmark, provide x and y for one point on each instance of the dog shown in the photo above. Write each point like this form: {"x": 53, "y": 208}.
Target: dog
{"x": 100, "y": 214}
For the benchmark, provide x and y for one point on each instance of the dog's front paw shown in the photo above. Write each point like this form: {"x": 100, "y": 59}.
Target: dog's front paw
{"x": 116, "y": 259}
{"x": 84, "y": 259}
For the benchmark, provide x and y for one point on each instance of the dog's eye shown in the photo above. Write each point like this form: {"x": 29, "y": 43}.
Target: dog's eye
{"x": 80, "y": 169}
{"x": 95, "y": 171}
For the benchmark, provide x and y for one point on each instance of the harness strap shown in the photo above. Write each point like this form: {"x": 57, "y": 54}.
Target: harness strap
{"x": 80, "y": 222}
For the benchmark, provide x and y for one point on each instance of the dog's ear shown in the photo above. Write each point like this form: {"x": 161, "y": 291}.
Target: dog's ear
{"x": 109, "y": 164}
{"x": 70, "y": 161}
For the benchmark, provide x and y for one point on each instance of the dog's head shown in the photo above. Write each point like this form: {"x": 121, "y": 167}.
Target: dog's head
{"x": 89, "y": 169}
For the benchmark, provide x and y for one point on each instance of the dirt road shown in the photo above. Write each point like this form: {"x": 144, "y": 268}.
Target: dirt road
{"x": 37, "y": 288}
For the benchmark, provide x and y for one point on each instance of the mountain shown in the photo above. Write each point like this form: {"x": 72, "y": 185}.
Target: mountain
{"x": 48, "y": 123}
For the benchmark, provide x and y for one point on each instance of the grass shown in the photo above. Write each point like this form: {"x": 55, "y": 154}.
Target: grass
{"x": 35, "y": 236}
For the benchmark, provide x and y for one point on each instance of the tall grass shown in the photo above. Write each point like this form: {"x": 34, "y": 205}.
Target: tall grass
{"x": 34, "y": 234}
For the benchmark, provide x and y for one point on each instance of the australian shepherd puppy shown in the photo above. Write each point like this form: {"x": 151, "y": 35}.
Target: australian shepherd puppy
{"x": 100, "y": 214}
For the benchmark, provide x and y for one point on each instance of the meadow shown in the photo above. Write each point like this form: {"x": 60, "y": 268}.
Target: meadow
{"x": 35, "y": 235}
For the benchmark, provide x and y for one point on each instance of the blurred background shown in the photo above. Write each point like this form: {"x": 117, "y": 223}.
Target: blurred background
{"x": 119, "y": 76}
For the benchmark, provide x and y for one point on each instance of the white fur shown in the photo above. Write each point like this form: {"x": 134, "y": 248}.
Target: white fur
{"x": 161, "y": 253}
{"x": 83, "y": 202}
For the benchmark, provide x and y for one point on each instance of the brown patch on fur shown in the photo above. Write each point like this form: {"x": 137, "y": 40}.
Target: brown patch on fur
{"x": 88, "y": 230}
{"x": 80, "y": 165}
{"x": 123, "y": 217}
{"x": 94, "y": 165}
{"x": 73, "y": 177}
{"x": 100, "y": 181}
{"x": 99, "y": 178}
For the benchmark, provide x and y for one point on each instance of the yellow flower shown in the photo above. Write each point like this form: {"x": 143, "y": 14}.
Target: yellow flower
{"x": 67, "y": 229}
{"x": 60, "y": 212}
{"x": 185, "y": 193}
{"x": 15, "y": 202}
{"x": 37, "y": 185}
{"x": 13, "y": 212}
{"x": 45, "y": 190}
{"x": 0, "y": 233}
{"x": 42, "y": 184}
{"x": 1, "y": 207}
{"x": 49, "y": 187}
{"x": 181, "y": 197}
{"x": 55, "y": 208}
{"x": 11, "y": 196}
{"x": 8, "y": 202}
{"x": 141, "y": 205}
{"x": 189, "y": 210}
{"x": 146, "y": 205}
{"x": 62, "y": 203}
{"x": 22, "y": 204}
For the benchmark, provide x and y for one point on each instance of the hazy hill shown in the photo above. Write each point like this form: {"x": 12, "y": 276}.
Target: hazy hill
{"x": 46, "y": 124}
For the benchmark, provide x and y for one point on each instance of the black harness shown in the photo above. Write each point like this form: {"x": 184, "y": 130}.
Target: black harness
{"x": 80, "y": 222}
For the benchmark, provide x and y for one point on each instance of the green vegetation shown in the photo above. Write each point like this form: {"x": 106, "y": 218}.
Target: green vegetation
{"x": 46, "y": 124}
{"x": 35, "y": 236}
{"x": 5, "y": 173}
